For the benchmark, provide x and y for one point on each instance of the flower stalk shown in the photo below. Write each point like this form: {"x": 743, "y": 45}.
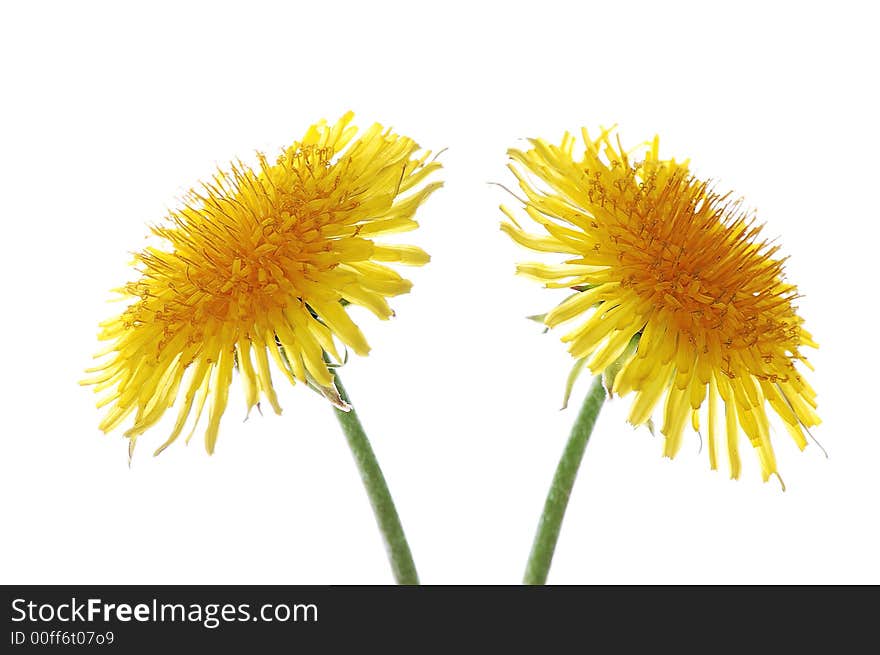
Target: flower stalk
{"x": 396, "y": 546}
{"x": 550, "y": 523}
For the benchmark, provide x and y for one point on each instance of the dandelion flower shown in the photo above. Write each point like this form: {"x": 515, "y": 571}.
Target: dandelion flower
{"x": 258, "y": 264}
{"x": 677, "y": 298}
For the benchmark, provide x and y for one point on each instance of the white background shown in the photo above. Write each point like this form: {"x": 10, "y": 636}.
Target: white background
{"x": 110, "y": 112}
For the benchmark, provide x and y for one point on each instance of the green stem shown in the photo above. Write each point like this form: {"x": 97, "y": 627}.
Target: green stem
{"x": 380, "y": 498}
{"x": 557, "y": 498}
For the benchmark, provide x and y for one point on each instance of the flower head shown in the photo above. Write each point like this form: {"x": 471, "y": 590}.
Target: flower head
{"x": 675, "y": 293}
{"x": 259, "y": 264}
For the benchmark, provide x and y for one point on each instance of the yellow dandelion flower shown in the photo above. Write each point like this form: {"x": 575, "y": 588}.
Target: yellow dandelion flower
{"x": 259, "y": 265}
{"x": 676, "y": 294}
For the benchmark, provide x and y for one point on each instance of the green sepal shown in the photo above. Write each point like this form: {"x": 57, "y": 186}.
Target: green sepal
{"x": 539, "y": 318}
{"x": 572, "y": 378}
